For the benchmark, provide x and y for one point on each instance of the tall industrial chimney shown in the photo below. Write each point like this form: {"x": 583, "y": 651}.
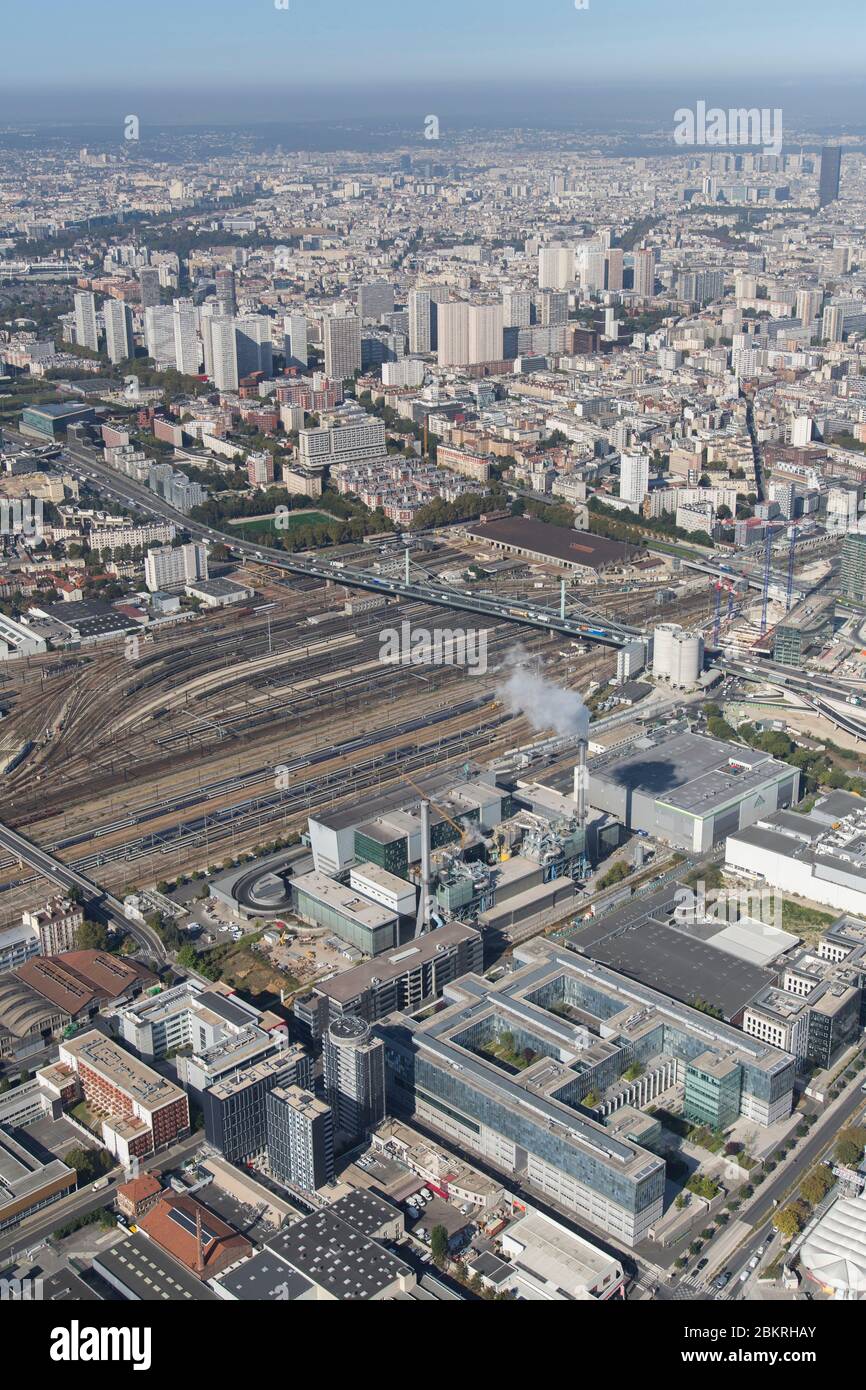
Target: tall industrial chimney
{"x": 199, "y": 1248}
{"x": 581, "y": 784}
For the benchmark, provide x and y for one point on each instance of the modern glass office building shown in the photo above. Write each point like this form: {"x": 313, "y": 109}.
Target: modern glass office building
{"x": 532, "y": 1071}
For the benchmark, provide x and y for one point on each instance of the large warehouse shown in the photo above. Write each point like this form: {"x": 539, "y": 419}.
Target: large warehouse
{"x": 690, "y": 790}
{"x": 581, "y": 551}
{"x": 820, "y": 857}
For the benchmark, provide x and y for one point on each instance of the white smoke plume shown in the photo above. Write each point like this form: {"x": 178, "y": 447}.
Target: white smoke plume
{"x": 545, "y": 704}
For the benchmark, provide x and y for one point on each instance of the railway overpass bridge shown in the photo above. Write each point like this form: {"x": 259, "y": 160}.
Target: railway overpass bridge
{"x": 100, "y": 902}
{"x": 573, "y": 621}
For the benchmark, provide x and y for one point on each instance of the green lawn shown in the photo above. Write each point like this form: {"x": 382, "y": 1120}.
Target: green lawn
{"x": 289, "y": 522}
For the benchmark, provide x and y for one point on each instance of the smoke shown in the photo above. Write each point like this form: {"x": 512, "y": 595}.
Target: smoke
{"x": 545, "y": 704}
{"x": 472, "y": 835}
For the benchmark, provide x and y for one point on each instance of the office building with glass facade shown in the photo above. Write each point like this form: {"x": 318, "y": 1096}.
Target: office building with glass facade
{"x": 531, "y": 1072}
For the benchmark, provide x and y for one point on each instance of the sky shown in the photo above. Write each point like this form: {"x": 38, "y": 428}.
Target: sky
{"x": 219, "y": 60}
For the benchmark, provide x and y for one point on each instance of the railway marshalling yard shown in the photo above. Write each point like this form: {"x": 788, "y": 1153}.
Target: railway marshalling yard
{"x": 223, "y": 734}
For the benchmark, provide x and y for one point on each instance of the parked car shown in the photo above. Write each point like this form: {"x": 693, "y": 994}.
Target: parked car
{"x": 744, "y": 1276}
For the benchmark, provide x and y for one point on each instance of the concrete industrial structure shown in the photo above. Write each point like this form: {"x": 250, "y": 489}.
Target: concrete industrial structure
{"x": 354, "y": 918}
{"x": 678, "y": 656}
{"x": 690, "y": 790}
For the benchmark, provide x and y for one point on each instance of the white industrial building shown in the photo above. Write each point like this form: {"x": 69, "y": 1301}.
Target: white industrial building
{"x": 821, "y": 860}
{"x": 391, "y": 892}
{"x": 834, "y": 1253}
{"x": 17, "y": 639}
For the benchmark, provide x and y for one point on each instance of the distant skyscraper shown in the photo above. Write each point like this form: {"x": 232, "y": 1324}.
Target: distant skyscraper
{"x": 644, "y": 273}
{"x": 420, "y": 321}
{"x": 342, "y": 348}
{"x": 633, "y": 478}
{"x": 296, "y": 345}
{"x": 254, "y": 350}
{"x": 832, "y": 324}
{"x": 225, "y": 353}
{"x": 225, "y": 291}
{"x": 555, "y": 267}
{"x": 118, "y": 330}
{"x": 86, "y": 334}
{"x": 300, "y": 1138}
{"x": 592, "y": 268}
{"x": 516, "y": 309}
{"x": 375, "y": 300}
{"x": 148, "y": 279}
{"x": 469, "y": 334}
{"x": 354, "y": 1075}
{"x": 552, "y": 308}
{"x": 159, "y": 334}
{"x": 831, "y": 168}
{"x": 614, "y": 268}
{"x": 853, "y": 575}
{"x": 186, "y": 346}
{"x": 809, "y": 304}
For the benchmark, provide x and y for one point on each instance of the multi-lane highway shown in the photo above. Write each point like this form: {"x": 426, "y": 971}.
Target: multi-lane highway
{"x": 579, "y": 625}
{"x": 815, "y": 691}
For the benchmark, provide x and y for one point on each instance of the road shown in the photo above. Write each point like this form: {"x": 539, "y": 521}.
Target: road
{"x": 580, "y": 627}
{"x": 99, "y": 901}
{"x": 721, "y": 1253}
{"x": 14, "y": 1242}
{"x": 814, "y": 690}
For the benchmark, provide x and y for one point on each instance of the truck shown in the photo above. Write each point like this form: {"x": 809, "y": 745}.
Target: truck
{"x": 99, "y": 1184}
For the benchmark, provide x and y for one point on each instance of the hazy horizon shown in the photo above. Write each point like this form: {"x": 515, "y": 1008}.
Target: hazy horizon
{"x": 497, "y": 62}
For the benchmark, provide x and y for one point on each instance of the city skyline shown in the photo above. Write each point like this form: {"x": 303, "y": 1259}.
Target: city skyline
{"x": 433, "y": 651}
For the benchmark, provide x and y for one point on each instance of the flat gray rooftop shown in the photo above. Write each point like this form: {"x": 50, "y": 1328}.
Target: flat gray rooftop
{"x": 689, "y": 771}
{"x": 676, "y": 962}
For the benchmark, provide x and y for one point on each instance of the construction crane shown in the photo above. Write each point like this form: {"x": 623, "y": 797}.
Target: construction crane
{"x": 792, "y": 555}
{"x": 461, "y": 829}
{"x": 768, "y": 560}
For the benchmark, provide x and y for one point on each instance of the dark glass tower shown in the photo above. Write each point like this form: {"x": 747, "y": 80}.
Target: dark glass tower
{"x": 831, "y": 166}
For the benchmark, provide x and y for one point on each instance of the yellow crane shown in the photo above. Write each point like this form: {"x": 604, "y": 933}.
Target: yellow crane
{"x": 461, "y": 829}
{"x": 504, "y": 851}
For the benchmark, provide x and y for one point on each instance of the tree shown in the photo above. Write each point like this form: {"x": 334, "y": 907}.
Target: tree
{"x": 849, "y": 1147}
{"x": 615, "y": 874}
{"x": 439, "y": 1245}
{"x": 187, "y": 957}
{"x": 91, "y": 936}
{"x": 790, "y": 1220}
{"x": 816, "y": 1185}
